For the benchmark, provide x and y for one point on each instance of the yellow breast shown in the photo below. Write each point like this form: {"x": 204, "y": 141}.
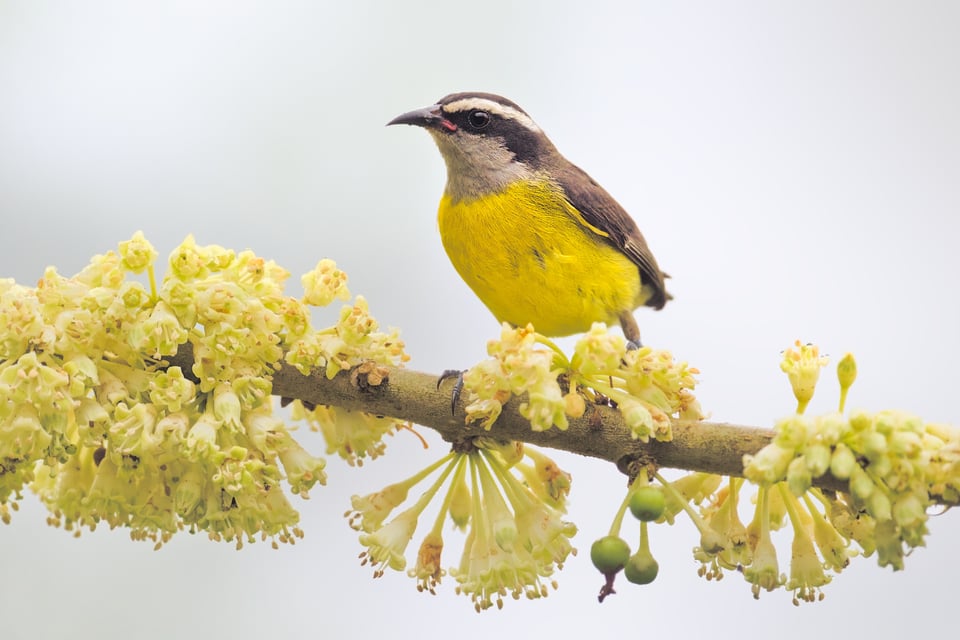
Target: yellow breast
{"x": 529, "y": 256}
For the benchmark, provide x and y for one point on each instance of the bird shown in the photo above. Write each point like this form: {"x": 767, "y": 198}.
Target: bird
{"x": 534, "y": 236}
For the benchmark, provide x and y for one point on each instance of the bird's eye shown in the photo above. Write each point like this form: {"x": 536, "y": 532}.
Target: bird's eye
{"x": 478, "y": 119}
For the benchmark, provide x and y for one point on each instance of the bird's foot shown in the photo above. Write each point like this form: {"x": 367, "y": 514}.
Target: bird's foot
{"x": 457, "y": 386}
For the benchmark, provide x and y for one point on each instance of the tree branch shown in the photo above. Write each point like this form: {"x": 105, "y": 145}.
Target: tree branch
{"x": 711, "y": 447}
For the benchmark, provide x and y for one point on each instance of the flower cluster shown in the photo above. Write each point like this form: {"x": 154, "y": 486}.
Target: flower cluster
{"x": 822, "y": 529}
{"x": 353, "y": 340}
{"x": 352, "y": 435}
{"x": 892, "y": 465}
{"x": 647, "y": 385}
{"x": 103, "y": 429}
{"x": 727, "y": 544}
{"x": 509, "y": 498}
{"x": 97, "y": 420}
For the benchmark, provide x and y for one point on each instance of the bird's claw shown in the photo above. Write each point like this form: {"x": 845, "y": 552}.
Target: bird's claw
{"x": 457, "y": 386}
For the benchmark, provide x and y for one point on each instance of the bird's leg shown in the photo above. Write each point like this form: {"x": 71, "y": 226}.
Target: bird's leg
{"x": 457, "y": 386}
{"x": 630, "y": 330}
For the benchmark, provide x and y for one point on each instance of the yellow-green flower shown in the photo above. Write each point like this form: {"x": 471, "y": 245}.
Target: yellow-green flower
{"x": 802, "y": 366}
{"x": 104, "y": 270}
{"x": 638, "y": 419}
{"x": 23, "y": 436}
{"x": 599, "y": 351}
{"x": 20, "y": 316}
{"x": 769, "y": 465}
{"x": 371, "y": 510}
{"x": 170, "y": 390}
{"x": 833, "y": 547}
{"x": 302, "y": 469}
{"x": 386, "y": 545}
{"x": 189, "y": 261}
{"x": 764, "y": 571}
{"x": 723, "y": 518}
{"x": 137, "y": 254}
{"x": 161, "y": 334}
{"x": 806, "y": 570}
{"x": 324, "y": 284}
{"x": 428, "y": 571}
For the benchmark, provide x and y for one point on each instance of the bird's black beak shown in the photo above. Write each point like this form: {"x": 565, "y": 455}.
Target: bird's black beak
{"x": 429, "y": 117}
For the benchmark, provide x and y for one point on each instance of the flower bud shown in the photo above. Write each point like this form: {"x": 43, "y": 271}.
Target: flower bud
{"x": 842, "y": 462}
{"x": 817, "y": 458}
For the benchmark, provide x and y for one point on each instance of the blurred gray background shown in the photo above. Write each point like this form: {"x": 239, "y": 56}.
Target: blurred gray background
{"x": 795, "y": 167}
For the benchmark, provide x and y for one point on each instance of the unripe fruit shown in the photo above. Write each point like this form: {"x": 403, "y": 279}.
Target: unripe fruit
{"x": 609, "y": 554}
{"x": 647, "y": 503}
{"x": 641, "y": 569}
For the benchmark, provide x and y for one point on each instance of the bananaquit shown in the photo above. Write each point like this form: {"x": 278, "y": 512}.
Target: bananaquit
{"x": 531, "y": 233}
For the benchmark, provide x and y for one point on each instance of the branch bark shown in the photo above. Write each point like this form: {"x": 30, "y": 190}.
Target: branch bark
{"x": 713, "y": 447}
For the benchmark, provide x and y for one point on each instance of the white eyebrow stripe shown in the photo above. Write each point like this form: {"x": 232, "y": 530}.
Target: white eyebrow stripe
{"x": 502, "y": 110}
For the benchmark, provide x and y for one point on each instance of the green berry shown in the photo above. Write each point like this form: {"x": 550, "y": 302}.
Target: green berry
{"x": 641, "y": 568}
{"x": 609, "y": 554}
{"x": 647, "y": 503}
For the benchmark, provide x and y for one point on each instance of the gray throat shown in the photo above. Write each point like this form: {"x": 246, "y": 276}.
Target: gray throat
{"x": 479, "y": 168}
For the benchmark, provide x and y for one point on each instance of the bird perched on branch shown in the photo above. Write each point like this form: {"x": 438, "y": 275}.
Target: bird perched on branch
{"x": 531, "y": 233}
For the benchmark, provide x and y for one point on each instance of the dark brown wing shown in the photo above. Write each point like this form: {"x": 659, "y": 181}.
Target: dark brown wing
{"x": 600, "y": 210}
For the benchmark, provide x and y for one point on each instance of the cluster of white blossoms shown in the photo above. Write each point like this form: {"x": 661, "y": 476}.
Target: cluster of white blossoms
{"x": 647, "y": 385}
{"x": 885, "y": 471}
{"x": 103, "y": 430}
{"x": 508, "y": 497}
{"x": 893, "y": 466}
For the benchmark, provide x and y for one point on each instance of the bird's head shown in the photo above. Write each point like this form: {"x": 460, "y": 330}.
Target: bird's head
{"x": 487, "y": 141}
